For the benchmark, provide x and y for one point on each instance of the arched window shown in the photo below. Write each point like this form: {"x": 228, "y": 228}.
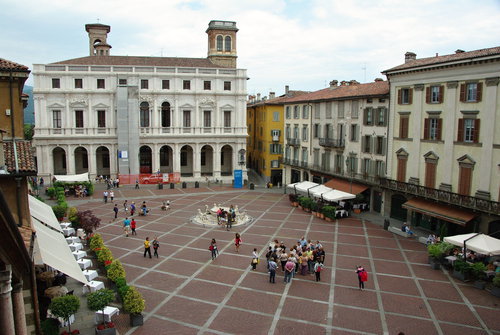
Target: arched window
{"x": 165, "y": 114}
{"x": 227, "y": 43}
{"x": 219, "y": 43}
{"x": 144, "y": 114}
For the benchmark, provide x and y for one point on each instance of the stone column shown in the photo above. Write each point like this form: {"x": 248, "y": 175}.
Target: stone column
{"x": 176, "y": 158}
{"x": 18, "y": 308}
{"x": 6, "y": 310}
{"x": 216, "y": 162}
{"x": 197, "y": 161}
{"x": 155, "y": 157}
{"x": 70, "y": 160}
{"x": 91, "y": 153}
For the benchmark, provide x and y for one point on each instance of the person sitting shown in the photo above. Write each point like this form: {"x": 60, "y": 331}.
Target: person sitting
{"x": 431, "y": 239}
{"x": 406, "y": 228}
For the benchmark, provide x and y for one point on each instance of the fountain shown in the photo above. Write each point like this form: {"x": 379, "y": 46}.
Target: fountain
{"x": 208, "y": 216}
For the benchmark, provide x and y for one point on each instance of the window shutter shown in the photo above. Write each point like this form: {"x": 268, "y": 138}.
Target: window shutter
{"x": 464, "y": 180}
{"x": 479, "y": 92}
{"x": 363, "y": 166}
{"x": 460, "y": 133}
{"x": 373, "y": 167}
{"x": 401, "y": 170}
{"x": 382, "y": 169}
{"x": 365, "y": 116}
{"x": 439, "y": 128}
{"x": 410, "y": 96}
{"x": 357, "y": 133}
{"x": 363, "y": 139}
{"x": 426, "y": 129}
{"x": 441, "y": 93}
{"x": 373, "y": 140}
{"x": 384, "y": 146}
{"x": 399, "y": 97}
{"x": 385, "y": 116}
{"x": 462, "y": 92}
{"x": 476, "y": 130}
{"x": 428, "y": 94}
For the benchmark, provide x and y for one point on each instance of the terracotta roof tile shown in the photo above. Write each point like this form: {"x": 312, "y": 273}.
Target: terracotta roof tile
{"x": 279, "y": 100}
{"x": 141, "y": 61}
{"x": 26, "y": 233}
{"x": 8, "y": 65}
{"x": 378, "y": 88}
{"x": 24, "y": 156}
{"x": 421, "y": 62}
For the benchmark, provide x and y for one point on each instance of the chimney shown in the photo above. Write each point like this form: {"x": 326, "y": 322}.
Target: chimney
{"x": 334, "y": 83}
{"x": 459, "y": 51}
{"x": 343, "y": 83}
{"x": 258, "y": 96}
{"x": 272, "y": 95}
{"x": 409, "y": 56}
{"x": 353, "y": 82}
{"x": 378, "y": 79}
{"x": 287, "y": 89}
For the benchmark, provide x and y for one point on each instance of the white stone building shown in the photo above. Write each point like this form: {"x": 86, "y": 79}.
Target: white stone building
{"x": 110, "y": 115}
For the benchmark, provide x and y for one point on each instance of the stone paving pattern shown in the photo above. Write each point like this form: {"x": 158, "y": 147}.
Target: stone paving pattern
{"x": 187, "y": 293}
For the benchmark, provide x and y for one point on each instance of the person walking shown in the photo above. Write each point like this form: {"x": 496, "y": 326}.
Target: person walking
{"x": 132, "y": 208}
{"x": 112, "y": 195}
{"x": 115, "y": 209}
{"x": 317, "y": 270}
{"x": 237, "y": 242}
{"x": 147, "y": 247}
{"x": 213, "y": 249}
{"x": 133, "y": 225}
{"x": 362, "y": 276}
{"x": 137, "y": 184}
{"x": 289, "y": 270}
{"x": 105, "y": 196}
{"x": 126, "y": 226}
{"x": 272, "y": 266}
{"x": 255, "y": 259}
{"x": 156, "y": 245}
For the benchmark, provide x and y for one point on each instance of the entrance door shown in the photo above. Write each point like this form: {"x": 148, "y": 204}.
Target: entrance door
{"x": 397, "y": 210}
{"x": 377, "y": 201}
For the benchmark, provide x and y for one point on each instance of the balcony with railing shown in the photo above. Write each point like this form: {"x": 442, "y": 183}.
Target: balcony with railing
{"x": 466, "y": 201}
{"x": 293, "y": 141}
{"x": 332, "y": 143}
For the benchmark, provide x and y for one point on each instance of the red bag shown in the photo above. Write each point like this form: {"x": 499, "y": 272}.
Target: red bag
{"x": 364, "y": 276}
{"x": 211, "y": 247}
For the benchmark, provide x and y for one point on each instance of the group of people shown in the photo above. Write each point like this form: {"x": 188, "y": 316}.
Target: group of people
{"x": 226, "y": 218}
{"x": 147, "y": 246}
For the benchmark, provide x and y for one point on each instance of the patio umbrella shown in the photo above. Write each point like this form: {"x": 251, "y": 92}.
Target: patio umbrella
{"x": 303, "y": 186}
{"x": 477, "y": 242}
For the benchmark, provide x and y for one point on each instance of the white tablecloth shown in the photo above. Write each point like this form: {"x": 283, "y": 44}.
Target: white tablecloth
{"x": 451, "y": 259}
{"x": 93, "y": 286}
{"x": 76, "y": 246}
{"x": 84, "y": 263}
{"x": 342, "y": 213}
{"x": 108, "y": 313}
{"x": 68, "y": 231}
{"x": 90, "y": 274}
{"x": 61, "y": 320}
{"x": 65, "y": 224}
{"x": 72, "y": 239}
{"x": 79, "y": 254}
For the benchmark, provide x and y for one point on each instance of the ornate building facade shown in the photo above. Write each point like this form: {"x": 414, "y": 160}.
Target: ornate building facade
{"x": 109, "y": 115}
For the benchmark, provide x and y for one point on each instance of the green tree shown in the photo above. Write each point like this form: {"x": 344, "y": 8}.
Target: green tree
{"x": 28, "y": 131}
{"x": 97, "y": 300}
{"x": 64, "y": 307}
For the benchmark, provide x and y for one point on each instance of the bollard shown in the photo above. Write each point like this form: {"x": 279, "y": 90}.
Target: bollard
{"x": 172, "y": 186}
{"x": 160, "y": 186}
{"x": 196, "y": 185}
{"x": 252, "y": 186}
{"x": 183, "y": 184}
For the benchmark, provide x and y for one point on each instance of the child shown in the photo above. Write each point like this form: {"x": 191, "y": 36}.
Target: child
{"x": 156, "y": 245}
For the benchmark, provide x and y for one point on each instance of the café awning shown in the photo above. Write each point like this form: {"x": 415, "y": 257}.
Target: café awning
{"x": 477, "y": 242}
{"x": 43, "y": 213}
{"x": 73, "y": 178}
{"x": 440, "y": 211}
{"x": 346, "y": 186}
{"x": 302, "y": 187}
{"x": 329, "y": 194}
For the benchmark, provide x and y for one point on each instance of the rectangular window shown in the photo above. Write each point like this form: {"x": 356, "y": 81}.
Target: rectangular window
{"x": 276, "y": 116}
{"x": 434, "y": 94}
{"x": 464, "y": 180}
{"x": 401, "y": 174}
{"x": 186, "y": 84}
{"x": 367, "y": 143}
{"x": 101, "y": 119}
{"x": 275, "y": 164}
{"x": 366, "y": 166}
{"x": 317, "y": 130}
{"x": 305, "y": 131}
{"x": 186, "y": 119}
{"x": 382, "y": 116}
{"x": 288, "y": 114}
{"x": 341, "y": 108}
{"x": 317, "y": 111}
{"x": 287, "y": 131}
{"x": 275, "y": 134}
{"x": 227, "y": 86}
{"x": 379, "y": 145}
{"x": 144, "y": 117}
{"x": 432, "y": 129}
{"x": 101, "y": 84}
{"x": 305, "y": 112}
{"x": 79, "y": 119}
{"x": 144, "y": 84}
{"x": 379, "y": 168}
{"x": 471, "y": 92}
{"x": 304, "y": 155}
{"x": 165, "y": 84}
{"x": 354, "y": 132}
{"x": 405, "y": 96}
{"x": 368, "y": 116}
{"x": 207, "y": 119}
{"x": 296, "y": 113}
{"x": 227, "y": 119}
{"x": 354, "y": 109}
{"x": 207, "y": 85}
{"x": 56, "y": 119}
{"x": 296, "y": 132}
{"x": 430, "y": 174}
{"x": 404, "y": 122}
{"x": 328, "y": 110}
{"x": 468, "y": 130}
{"x": 184, "y": 158}
{"x": 275, "y": 149}
{"x": 78, "y": 83}
{"x": 122, "y": 81}
{"x": 56, "y": 83}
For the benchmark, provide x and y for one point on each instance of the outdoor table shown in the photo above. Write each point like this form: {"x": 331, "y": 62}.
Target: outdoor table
{"x": 72, "y": 239}
{"x": 65, "y": 224}
{"x": 342, "y": 213}
{"x": 451, "y": 259}
{"x": 79, "y": 254}
{"x": 56, "y": 291}
{"x": 108, "y": 313}
{"x": 76, "y": 246}
{"x": 93, "y": 286}
{"x": 61, "y": 320}
{"x": 84, "y": 263}
{"x": 90, "y": 274}
{"x": 68, "y": 231}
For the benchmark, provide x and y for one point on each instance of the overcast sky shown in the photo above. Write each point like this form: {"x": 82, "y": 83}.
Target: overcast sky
{"x": 300, "y": 43}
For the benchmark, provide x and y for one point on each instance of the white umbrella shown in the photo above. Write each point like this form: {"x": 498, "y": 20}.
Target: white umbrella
{"x": 477, "y": 242}
{"x": 336, "y": 195}
{"x": 303, "y": 186}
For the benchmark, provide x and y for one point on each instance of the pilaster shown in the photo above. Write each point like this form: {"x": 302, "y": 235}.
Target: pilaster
{"x": 18, "y": 309}
{"x": 6, "y": 309}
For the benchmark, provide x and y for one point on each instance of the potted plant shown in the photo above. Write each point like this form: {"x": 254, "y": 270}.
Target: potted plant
{"x": 96, "y": 241}
{"x": 306, "y": 203}
{"x": 97, "y": 301}
{"x": 319, "y": 209}
{"x": 133, "y": 302}
{"x": 51, "y": 192}
{"x": 88, "y": 221}
{"x": 461, "y": 269}
{"x": 314, "y": 208}
{"x": 435, "y": 254}
{"x": 59, "y": 211}
{"x": 293, "y": 199}
{"x": 478, "y": 273}
{"x": 495, "y": 289}
{"x": 64, "y": 307}
{"x": 116, "y": 271}
{"x": 104, "y": 255}
{"x": 329, "y": 212}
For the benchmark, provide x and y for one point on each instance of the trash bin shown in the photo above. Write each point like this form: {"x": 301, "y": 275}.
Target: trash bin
{"x": 183, "y": 184}
{"x": 386, "y": 224}
{"x": 160, "y": 186}
{"x": 196, "y": 185}
{"x": 172, "y": 186}
{"x": 252, "y": 186}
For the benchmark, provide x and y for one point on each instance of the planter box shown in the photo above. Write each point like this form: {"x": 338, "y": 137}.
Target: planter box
{"x": 495, "y": 291}
{"x": 328, "y": 219}
{"x": 435, "y": 263}
{"x": 480, "y": 284}
{"x": 136, "y": 320}
{"x": 295, "y": 204}
{"x": 107, "y": 331}
{"x": 357, "y": 210}
{"x": 460, "y": 276}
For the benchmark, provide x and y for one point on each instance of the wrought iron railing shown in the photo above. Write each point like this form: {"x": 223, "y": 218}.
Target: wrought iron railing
{"x": 331, "y": 143}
